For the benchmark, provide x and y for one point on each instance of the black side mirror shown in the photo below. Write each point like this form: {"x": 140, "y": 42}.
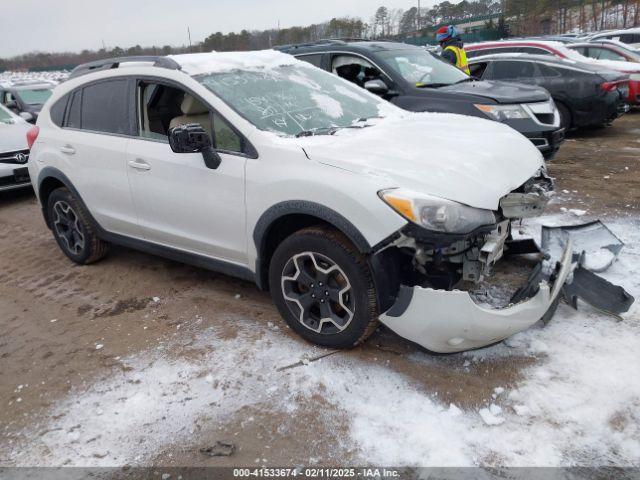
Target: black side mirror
{"x": 12, "y": 105}
{"x": 192, "y": 138}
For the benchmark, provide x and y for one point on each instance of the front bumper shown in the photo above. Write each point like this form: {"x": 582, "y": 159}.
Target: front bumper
{"x": 14, "y": 177}
{"x": 548, "y": 142}
{"x": 450, "y": 321}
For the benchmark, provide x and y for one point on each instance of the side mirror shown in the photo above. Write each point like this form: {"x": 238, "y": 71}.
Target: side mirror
{"x": 376, "y": 86}
{"x": 192, "y": 138}
{"x": 12, "y": 105}
{"x": 27, "y": 116}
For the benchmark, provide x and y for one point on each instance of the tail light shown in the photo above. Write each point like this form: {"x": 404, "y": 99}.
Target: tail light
{"x": 32, "y": 136}
{"x": 612, "y": 86}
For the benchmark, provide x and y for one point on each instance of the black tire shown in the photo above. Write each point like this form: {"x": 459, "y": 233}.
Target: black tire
{"x": 72, "y": 228}
{"x": 352, "y": 304}
{"x": 565, "y": 117}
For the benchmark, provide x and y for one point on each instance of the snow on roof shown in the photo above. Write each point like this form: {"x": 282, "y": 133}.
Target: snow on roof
{"x": 201, "y": 63}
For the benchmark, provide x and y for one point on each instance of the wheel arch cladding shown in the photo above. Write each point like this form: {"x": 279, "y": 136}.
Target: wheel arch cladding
{"x": 51, "y": 179}
{"x": 286, "y": 218}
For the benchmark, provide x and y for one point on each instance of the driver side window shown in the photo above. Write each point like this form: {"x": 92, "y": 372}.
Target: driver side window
{"x": 355, "y": 69}
{"x": 162, "y": 107}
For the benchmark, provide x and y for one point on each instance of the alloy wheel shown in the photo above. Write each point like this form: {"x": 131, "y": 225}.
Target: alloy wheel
{"x": 318, "y": 293}
{"x": 67, "y": 227}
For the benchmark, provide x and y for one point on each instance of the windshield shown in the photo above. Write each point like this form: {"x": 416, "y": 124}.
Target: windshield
{"x": 422, "y": 68}
{"x": 5, "y": 117}
{"x": 36, "y": 96}
{"x": 292, "y": 99}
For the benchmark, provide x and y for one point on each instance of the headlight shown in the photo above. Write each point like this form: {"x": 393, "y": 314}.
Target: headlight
{"x": 501, "y": 113}
{"x": 437, "y": 214}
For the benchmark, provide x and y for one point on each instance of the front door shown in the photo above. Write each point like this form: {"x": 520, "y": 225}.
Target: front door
{"x": 180, "y": 202}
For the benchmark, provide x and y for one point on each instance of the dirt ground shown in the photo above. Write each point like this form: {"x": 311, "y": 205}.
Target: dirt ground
{"x": 64, "y": 327}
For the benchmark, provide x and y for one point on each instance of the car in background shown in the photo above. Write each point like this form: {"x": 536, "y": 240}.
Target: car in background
{"x": 539, "y": 47}
{"x": 14, "y": 151}
{"x": 630, "y": 36}
{"x": 585, "y": 94}
{"x": 554, "y": 38}
{"x": 606, "y": 50}
{"x": 419, "y": 81}
{"x": 26, "y": 99}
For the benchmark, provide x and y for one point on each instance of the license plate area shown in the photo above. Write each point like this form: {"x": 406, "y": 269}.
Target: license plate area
{"x": 21, "y": 175}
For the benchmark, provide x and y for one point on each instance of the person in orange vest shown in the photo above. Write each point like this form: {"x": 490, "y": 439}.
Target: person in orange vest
{"x": 453, "y": 48}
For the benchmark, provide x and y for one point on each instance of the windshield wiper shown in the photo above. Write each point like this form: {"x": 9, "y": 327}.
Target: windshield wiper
{"x": 326, "y": 130}
{"x": 432, "y": 85}
{"x": 365, "y": 119}
{"x": 464, "y": 80}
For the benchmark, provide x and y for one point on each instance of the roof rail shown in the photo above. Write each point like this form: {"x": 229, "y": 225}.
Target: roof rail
{"x": 331, "y": 41}
{"x": 110, "y": 63}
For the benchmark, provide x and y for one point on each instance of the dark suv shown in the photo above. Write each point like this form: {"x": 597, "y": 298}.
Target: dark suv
{"x": 417, "y": 80}
{"x": 26, "y": 99}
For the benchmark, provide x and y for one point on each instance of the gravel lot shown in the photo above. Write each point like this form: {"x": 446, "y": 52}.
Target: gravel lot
{"x": 139, "y": 360}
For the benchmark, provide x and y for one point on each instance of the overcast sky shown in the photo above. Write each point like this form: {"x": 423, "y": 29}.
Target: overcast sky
{"x": 73, "y": 25}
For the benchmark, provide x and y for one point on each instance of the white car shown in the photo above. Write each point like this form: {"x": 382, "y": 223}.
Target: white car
{"x": 629, "y": 36}
{"x": 14, "y": 152}
{"x": 348, "y": 209}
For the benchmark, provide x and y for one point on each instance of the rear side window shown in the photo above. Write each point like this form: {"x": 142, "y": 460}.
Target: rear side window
{"x": 105, "y": 107}
{"x": 548, "y": 71}
{"x": 508, "y": 70}
{"x": 58, "y": 109}
{"x": 73, "y": 111}
{"x": 630, "y": 38}
{"x": 315, "y": 60}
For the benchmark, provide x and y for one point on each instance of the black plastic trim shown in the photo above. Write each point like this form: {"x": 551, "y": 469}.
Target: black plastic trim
{"x": 438, "y": 239}
{"x": 405, "y": 295}
{"x": 207, "y": 263}
{"x": 111, "y": 63}
{"x": 302, "y": 207}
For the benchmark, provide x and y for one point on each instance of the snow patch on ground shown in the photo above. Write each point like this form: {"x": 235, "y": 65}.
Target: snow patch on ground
{"x": 578, "y": 404}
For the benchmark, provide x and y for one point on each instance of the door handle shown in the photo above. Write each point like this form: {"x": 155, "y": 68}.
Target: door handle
{"x": 68, "y": 150}
{"x": 139, "y": 164}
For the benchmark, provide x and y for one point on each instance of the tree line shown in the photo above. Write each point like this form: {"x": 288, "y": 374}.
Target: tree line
{"x": 524, "y": 17}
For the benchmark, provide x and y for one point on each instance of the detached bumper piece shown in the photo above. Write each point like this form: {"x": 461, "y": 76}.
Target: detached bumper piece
{"x": 451, "y": 321}
{"x": 595, "y": 248}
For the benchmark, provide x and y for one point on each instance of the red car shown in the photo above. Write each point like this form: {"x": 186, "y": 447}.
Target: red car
{"x": 557, "y": 49}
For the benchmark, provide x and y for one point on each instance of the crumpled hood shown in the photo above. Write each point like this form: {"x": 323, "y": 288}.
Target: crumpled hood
{"x": 501, "y": 92}
{"x": 459, "y": 158}
{"x": 13, "y": 137}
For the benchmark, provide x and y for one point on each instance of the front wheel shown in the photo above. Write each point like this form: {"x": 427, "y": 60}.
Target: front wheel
{"x": 323, "y": 288}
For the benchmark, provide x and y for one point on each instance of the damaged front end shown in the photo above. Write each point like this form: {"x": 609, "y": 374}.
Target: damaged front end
{"x": 430, "y": 281}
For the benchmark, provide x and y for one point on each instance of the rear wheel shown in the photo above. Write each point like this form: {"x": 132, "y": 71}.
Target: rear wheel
{"x": 323, "y": 288}
{"x": 72, "y": 228}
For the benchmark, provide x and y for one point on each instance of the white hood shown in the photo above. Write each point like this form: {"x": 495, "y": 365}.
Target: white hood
{"x": 459, "y": 158}
{"x": 13, "y": 136}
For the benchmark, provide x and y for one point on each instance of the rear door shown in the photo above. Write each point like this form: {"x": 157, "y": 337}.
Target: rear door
{"x": 180, "y": 202}
{"x": 91, "y": 148}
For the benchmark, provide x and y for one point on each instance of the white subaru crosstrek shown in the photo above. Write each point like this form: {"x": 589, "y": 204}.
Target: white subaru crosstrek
{"x": 348, "y": 209}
